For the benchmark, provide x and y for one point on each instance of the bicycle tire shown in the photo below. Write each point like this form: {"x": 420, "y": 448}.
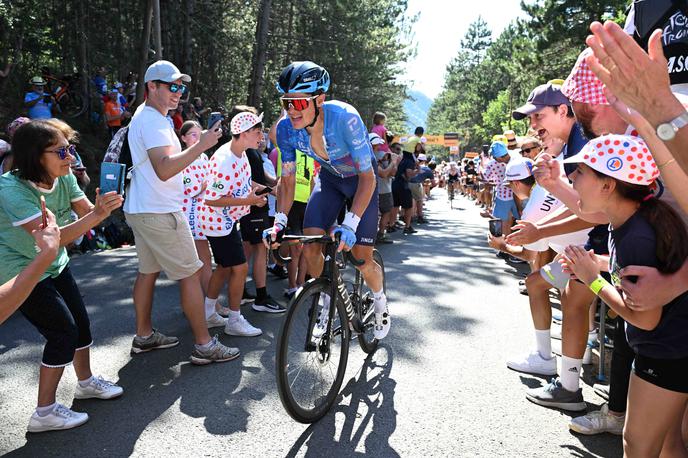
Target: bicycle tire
{"x": 72, "y": 104}
{"x": 366, "y": 339}
{"x": 302, "y": 310}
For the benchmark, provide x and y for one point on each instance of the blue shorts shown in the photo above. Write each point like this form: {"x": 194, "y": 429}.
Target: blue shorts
{"x": 502, "y": 208}
{"x": 326, "y": 201}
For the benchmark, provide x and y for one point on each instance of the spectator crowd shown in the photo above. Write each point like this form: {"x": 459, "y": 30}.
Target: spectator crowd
{"x": 590, "y": 199}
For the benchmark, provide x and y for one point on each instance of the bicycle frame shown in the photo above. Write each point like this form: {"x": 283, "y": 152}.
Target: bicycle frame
{"x": 331, "y": 272}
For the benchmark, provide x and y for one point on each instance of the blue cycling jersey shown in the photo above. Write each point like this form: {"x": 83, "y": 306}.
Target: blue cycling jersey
{"x": 346, "y": 141}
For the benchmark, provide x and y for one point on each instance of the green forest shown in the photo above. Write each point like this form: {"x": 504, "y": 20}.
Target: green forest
{"x": 490, "y": 76}
{"x": 234, "y": 50}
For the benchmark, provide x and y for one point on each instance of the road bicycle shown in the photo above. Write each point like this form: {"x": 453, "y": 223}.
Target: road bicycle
{"x": 313, "y": 346}
{"x": 68, "y": 95}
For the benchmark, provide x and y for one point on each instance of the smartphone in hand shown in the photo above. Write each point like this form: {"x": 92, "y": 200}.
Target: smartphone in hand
{"x": 496, "y": 227}
{"x": 44, "y": 214}
{"x": 214, "y": 117}
{"x": 265, "y": 190}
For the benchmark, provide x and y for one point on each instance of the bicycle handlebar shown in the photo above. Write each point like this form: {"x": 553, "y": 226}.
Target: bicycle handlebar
{"x": 324, "y": 239}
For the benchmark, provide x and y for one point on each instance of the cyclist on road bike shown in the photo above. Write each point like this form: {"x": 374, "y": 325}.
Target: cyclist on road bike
{"x": 334, "y": 135}
{"x": 452, "y": 174}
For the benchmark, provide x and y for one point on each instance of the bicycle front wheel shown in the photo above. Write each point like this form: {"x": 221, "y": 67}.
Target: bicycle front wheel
{"x": 310, "y": 369}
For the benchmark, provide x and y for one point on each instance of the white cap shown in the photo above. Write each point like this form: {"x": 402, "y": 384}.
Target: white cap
{"x": 166, "y": 71}
{"x": 375, "y": 139}
{"x": 422, "y": 157}
{"x": 244, "y": 121}
{"x": 518, "y": 170}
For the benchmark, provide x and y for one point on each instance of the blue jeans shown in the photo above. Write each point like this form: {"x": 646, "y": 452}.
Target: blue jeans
{"x": 56, "y": 309}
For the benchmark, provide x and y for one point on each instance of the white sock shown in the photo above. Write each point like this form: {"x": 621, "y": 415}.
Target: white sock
{"x": 145, "y": 337}
{"x": 84, "y": 383}
{"x": 570, "y": 373}
{"x": 380, "y": 301}
{"x": 45, "y": 410}
{"x": 209, "y": 307}
{"x": 234, "y": 314}
{"x": 543, "y": 342}
{"x": 205, "y": 346}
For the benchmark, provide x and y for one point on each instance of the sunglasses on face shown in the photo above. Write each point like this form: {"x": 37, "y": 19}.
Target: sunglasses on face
{"x": 528, "y": 150}
{"x": 174, "y": 87}
{"x": 298, "y": 104}
{"x": 63, "y": 151}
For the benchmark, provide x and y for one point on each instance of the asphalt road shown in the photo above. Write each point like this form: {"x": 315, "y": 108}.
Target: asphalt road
{"x": 438, "y": 386}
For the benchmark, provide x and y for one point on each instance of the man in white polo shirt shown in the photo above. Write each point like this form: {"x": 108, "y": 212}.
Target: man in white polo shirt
{"x": 153, "y": 209}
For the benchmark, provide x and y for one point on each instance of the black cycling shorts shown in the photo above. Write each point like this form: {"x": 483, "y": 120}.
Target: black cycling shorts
{"x": 228, "y": 250}
{"x": 670, "y": 374}
{"x": 252, "y": 227}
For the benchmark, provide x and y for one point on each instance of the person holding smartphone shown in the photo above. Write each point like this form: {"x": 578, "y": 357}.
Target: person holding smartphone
{"x": 54, "y": 306}
{"x": 14, "y": 292}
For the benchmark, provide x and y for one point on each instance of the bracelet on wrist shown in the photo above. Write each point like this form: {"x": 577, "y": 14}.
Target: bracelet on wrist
{"x": 597, "y": 285}
{"x": 664, "y": 164}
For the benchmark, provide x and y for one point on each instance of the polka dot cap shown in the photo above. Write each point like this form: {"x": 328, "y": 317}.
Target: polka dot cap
{"x": 621, "y": 157}
{"x": 243, "y": 122}
{"x": 582, "y": 85}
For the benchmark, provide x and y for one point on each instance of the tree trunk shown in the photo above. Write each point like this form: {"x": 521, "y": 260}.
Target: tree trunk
{"x": 83, "y": 56}
{"x": 145, "y": 46}
{"x": 157, "y": 34}
{"x": 188, "y": 39}
{"x": 259, "y": 53}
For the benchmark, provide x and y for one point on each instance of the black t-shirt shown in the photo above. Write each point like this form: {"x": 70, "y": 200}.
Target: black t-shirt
{"x": 634, "y": 244}
{"x": 673, "y": 20}
{"x": 407, "y": 163}
{"x": 258, "y": 176}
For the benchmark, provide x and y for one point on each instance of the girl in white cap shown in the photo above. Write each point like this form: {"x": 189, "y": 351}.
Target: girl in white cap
{"x": 615, "y": 175}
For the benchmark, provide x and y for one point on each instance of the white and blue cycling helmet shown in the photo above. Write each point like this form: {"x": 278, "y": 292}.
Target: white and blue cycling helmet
{"x": 303, "y": 76}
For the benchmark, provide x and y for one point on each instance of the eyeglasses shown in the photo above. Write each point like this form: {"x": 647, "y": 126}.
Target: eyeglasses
{"x": 174, "y": 87}
{"x": 298, "y": 103}
{"x": 528, "y": 150}
{"x": 63, "y": 151}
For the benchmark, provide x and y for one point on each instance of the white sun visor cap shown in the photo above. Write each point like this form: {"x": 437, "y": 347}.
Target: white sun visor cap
{"x": 166, "y": 71}
{"x": 244, "y": 121}
{"x": 375, "y": 139}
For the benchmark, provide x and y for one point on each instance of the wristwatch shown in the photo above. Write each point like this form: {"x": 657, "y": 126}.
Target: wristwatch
{"x": 667, "y": 130}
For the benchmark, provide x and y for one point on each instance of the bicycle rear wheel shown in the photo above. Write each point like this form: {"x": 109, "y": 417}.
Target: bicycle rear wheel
{"x": 310, "y": 370}
{"x": 366, "y": 339}
{"x": 72, "y": 104}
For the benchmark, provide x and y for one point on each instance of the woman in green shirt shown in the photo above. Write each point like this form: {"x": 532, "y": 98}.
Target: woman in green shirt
{"x": 42, "y": 159}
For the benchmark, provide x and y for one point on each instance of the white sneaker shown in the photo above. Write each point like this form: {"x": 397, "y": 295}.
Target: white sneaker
{"x": 320, "y": 325}
{"x": 241, "y": 327}
{"x": 215, "y": 321}
{"x": 60, "y": 418}
{"x": 598, "y": 422}
{"x": 533, "y": 363}
{"x": 98, "y": 388}
{"x": 383, "y": 322}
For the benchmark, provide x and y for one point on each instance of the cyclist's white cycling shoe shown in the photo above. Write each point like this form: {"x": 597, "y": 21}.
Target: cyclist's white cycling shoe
{"x": 383, "y": 321}
{"x": 321, "y": 324}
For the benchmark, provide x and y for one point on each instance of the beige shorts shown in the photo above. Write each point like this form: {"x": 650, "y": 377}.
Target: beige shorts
{"x": 164, "y": 243}
{"x": 417, "y": 191}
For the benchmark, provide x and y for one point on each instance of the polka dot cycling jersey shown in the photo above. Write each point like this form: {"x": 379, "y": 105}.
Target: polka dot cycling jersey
{"x": 194, "y": 177}
{"x": 494, "y": 173}
{"x": 228, "y": 175}
{"x": 346, "y": 141}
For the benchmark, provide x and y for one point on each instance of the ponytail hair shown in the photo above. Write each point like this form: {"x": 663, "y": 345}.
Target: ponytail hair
{"x": 670, "y": 230}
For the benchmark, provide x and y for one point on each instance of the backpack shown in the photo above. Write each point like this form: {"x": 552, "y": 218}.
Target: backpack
{"x": 118, "y": 151}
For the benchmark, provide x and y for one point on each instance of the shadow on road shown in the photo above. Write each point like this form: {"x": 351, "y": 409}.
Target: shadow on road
{"x": 371, "y": 406}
